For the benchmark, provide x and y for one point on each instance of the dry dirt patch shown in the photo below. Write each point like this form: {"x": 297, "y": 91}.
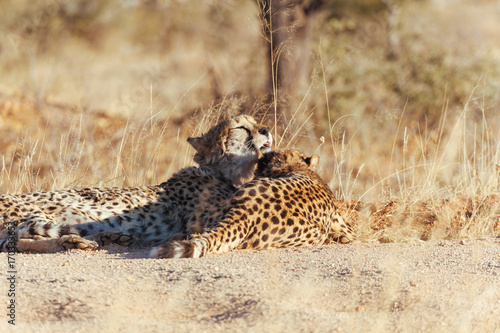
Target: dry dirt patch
{"x": 431, "y": 287}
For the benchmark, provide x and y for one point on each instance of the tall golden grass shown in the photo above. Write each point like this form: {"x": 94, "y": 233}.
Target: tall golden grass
{"x": 403, "y": 115}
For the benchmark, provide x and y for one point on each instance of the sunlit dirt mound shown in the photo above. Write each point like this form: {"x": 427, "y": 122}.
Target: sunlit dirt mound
{"x": 21, "y": 116}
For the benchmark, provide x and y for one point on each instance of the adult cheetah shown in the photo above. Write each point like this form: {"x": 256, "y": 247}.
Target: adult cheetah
{"x": 52, "y": 221}
{"x": 287, "y": 204}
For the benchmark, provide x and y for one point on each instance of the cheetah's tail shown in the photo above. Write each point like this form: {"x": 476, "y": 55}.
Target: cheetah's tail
{"x": 194, "y": 248}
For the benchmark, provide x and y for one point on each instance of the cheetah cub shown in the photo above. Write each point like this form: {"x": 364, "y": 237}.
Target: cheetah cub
{"x": 287, "y": 204}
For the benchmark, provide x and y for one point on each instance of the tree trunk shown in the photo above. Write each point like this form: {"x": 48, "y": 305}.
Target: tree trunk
{"x": 287, "y": 25}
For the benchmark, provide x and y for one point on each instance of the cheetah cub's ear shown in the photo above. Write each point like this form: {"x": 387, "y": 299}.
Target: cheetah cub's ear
{"x": 197, "y": 143}
{"x": 312, "y": 161}
{"x": 208, "y": 151}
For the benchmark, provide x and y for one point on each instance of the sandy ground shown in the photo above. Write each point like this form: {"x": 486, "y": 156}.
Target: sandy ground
{"x": 447, "y": 286}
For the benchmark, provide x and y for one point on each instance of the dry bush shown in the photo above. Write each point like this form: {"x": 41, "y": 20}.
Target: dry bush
{"x": 454, "y": 218}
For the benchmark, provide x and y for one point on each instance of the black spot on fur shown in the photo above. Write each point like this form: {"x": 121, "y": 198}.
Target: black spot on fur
{"x": 32, "y": 230}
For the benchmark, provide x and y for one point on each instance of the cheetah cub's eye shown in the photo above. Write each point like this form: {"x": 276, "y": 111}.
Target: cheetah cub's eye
{"x": 241, "y": 128}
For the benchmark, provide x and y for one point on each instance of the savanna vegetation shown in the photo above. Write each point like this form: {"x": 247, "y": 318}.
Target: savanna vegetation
{"x": 399, "y": 99}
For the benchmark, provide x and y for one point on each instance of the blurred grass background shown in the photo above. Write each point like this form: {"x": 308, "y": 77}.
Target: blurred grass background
{"x": 401, "y": 103}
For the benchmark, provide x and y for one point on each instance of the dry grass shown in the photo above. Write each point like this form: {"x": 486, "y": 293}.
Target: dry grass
{"x": 403, "y": 115}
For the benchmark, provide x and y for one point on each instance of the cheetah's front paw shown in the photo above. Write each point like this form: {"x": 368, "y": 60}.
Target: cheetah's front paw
{"x": 112, "y": 237}
{"x": 76, "y": 242}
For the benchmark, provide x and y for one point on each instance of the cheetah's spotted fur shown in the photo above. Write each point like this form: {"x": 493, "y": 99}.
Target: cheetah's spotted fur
{"x": 286, "y": 205}
{"x": 53, "y": 221}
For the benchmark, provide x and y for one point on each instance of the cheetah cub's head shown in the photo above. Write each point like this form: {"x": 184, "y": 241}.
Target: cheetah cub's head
{"x": 283, "y": 161}
{"x": 232, "y": 148}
